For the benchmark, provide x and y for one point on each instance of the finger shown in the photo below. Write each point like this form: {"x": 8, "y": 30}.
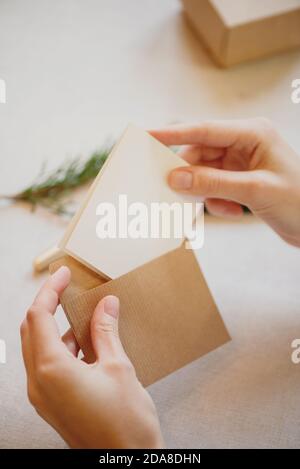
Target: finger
{"x": 216, "y": 134}
{"x": 26, "y": 349}
{"x": 238, "y": 186}
{"x": 70, "y": 342}
{"x": 47, "y": 298}
{"x": 43, "y": 330}
{"x": 224, "y": 208}
{"x": 197, "y": 154}
{"x": 104, "y": 329}
{"x": 212, "y": 164}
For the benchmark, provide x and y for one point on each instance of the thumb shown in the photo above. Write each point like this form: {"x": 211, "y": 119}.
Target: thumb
{"x": 238, "y": 186}
{"x": 104, "y": 329}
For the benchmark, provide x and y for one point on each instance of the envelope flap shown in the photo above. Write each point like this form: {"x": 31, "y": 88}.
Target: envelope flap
{"x": 82, "y": 277}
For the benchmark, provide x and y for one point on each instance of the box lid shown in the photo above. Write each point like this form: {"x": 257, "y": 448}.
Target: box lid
{"x": 235, "y": 12}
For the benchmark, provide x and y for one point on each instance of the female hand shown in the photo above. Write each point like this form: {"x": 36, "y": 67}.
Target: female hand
{"x": 240, "y": 162}
{"x": 100, "y": 405}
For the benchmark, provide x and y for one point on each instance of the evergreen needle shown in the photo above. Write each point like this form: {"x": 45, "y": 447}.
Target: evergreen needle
{"x": 50, "y": 190}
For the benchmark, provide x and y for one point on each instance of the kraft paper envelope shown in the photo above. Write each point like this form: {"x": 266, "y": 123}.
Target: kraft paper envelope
{"x": 168, "y": 317}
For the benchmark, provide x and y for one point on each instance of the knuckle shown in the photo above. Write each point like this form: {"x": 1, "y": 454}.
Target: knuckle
{"x": 119, "y": 367}
{"x": 177, "y": 134}
{"x": 45, "y": 372}
{"x": 105, "y": 327}
{"x": 32, "y": 313}
{"x": 256, "y": 186}
{"x": 206, "y": 184}
{"x": 52, "y": 370}
{"x": 205, "y": 126}
{"x": 34, "y": 396}
{"x": 263, "y": 121}
{"x": 23, "y": 328}
{"x": 52, "y": 295}
{"x": 126, "y": 365}
{"x": 204, "y": 129}
{"x": 265, "y": 127}
{"x": 39, "y": 411}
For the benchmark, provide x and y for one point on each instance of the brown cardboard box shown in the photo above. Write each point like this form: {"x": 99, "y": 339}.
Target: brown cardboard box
{"x": 168, "y": 317}
{"x": 235, "y": 31}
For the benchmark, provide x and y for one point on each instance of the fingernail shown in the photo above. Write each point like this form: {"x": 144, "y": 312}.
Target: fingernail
{"x": 111, "y": 305}
{"x": 61, "y": 274}
{"x": 181, "y": 180}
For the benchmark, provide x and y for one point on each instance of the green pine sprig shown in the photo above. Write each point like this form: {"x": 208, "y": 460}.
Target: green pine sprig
{"x": 51, "y": 190}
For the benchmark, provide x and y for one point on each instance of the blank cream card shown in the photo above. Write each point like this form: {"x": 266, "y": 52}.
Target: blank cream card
{"x": 114, "y": 230}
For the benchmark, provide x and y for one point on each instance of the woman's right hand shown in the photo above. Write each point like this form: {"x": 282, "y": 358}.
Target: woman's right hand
{"x": 240, "y": 162}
